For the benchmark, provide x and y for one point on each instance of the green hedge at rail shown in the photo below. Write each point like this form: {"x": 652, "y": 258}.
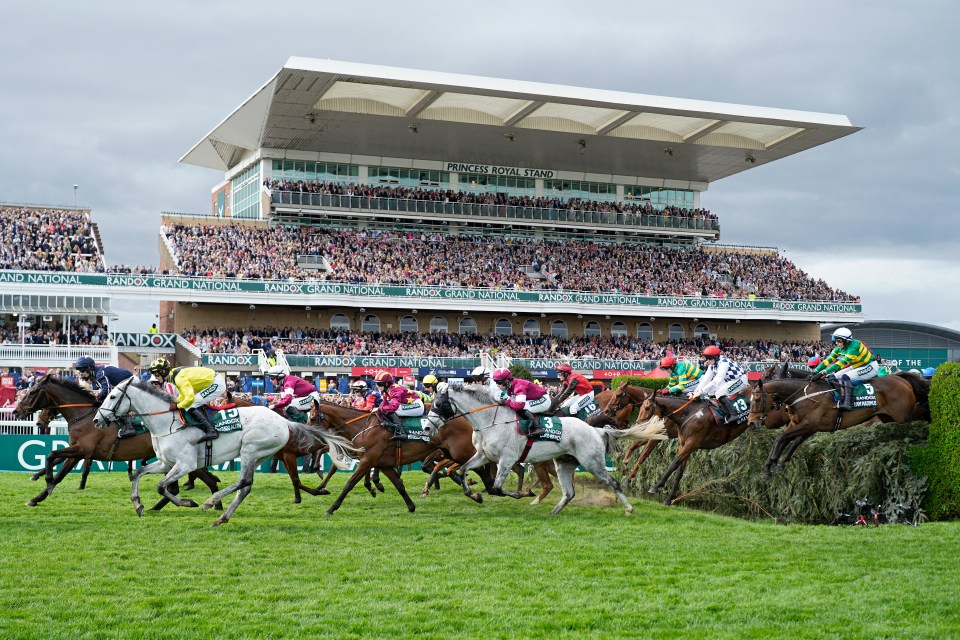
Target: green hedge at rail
{"x": 649, "y": 383}
{"x": 826, "y": 476}
{"x": 939, "y": 461}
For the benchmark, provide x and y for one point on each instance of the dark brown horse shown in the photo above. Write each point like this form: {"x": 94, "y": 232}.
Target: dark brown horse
{"x": 87, "y": 443}
{"x": 366, "y": 430}
{"x": 812, "y": 408}
{"x": 619, "y": 407}
{"x": 696, "y": 428}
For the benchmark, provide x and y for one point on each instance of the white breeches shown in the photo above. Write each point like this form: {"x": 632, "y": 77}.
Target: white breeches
{"x": 575, "y": 403}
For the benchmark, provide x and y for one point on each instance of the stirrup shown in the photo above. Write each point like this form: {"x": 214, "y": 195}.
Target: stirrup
{"x": 127, "y": 431}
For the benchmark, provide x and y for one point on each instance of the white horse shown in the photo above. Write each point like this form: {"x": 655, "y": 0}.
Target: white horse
{"x": 496, "y": 439}
{"x": 264, "y": 433}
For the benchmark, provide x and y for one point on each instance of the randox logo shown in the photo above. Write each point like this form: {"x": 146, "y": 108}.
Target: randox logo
{"x": 145, "y": 340}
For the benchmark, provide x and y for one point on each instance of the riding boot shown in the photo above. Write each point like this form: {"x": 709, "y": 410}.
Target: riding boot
{"x": 728, "y": 408}
{"x": 846, "y": 395}
{"x": 392, "y": 420}
{"x": 296, "y": 415}
{"x": 127, "y": 430}
{"x": 535, "y": 428}
{"x": 209, "y": 432}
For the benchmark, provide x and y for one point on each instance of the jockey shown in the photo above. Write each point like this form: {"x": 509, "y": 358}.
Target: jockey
{"x": 722, "y": 379}
{"x": 198, "y": 387}
{"x": 397, "y": 401}
{"x": 684, "y": 377}
{"x": 577, "y": 390}
{"x": 429, "y": 383}
{"x": 167, "y": 387}
{"x": 410, "y": 382}
{"x": 101, "y": 380}
{"x": 362, "y": 399}
{"x": 849, "y": 361}
{"x": 296, "y": 394}
{"x": 524, "y": 397}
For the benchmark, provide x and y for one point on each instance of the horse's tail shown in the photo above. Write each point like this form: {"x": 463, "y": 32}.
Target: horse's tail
{"x": 308, "y": 435}
{"x": 653, "y": 429}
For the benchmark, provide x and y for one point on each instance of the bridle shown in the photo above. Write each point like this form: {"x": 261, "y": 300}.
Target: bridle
{"x": 58, "y": 407}
{"x": 124, "y": 388}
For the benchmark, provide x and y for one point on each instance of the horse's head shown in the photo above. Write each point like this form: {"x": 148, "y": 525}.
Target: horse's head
{"x": 618, "y": 401}
{"x": 115, "y": 405}
{"x": 649, "y": 408}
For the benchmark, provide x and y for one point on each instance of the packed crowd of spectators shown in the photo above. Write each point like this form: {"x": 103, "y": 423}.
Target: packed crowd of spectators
{"x": 48, "y": 240}
{"x": 451, "y": 345}
{"x": 81, "y": 333}
{"x": 393, "y": 258}
{"x": 498, "y": 199}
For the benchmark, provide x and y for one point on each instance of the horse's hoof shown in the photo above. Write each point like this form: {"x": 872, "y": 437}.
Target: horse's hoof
{"x": 219, "y": 506}
{"x": 535, "y": 502}
{"x": 140, "y": 510}
{"x": 217, "y": 522}
{"x": 329, "y": 512}
{"x": 668, "y": 502}
{"x": 206, "y": 505}
{"x": 412, "y": 508}
{"x": 296, "y": 501}
{"x": 476, "y": 497}
{"x": 654, "y": 490}
{"x": 323, "y": 492}
{"x": 190, "y": 503}
{"x": 31, "y": 503}
{"x": 424, "y": 493}
{"x": 629, "y": 511}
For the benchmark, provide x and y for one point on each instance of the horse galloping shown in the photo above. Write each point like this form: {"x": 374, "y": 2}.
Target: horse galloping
{"x": 87, "y": 443}
{"x": 178, "y": 451}
{"x": 497, "y": 439}
{"x": 619, "y": 407}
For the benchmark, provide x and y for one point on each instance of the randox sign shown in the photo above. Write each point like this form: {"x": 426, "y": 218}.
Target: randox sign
{"x": 167, "y": 341}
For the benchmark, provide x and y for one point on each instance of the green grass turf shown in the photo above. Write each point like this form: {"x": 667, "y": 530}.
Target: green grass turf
{"x": 82, "y": 565}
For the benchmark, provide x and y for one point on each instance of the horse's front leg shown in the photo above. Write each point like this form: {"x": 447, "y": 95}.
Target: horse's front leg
{"x": 363, "y": 466}
{"x": 478, "y": 460}
{"x": 51, "y": 484}
{"x": 394, "y": 477}
{"x": 626, "y": 457}
{"x": 651, "y": 445}
{"x": 504, "y": 467}
{"x": 153, "y": 467}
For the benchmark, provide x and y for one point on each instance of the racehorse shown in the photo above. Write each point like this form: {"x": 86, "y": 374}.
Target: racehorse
{"x": 620, "y": 406}
{"x": 811, "y": 408}
{"x": 178, "y": 452}
{"x": 381, "y": 452}
{"x": 696, "y": 428}
{"x": 497, "y": 439}
{"x": 53, "y": 395}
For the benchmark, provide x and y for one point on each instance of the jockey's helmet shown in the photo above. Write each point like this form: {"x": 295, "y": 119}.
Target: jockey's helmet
{"x": 154, "y": 380}
{"x": 276, "y": 371}
{"x": 814, "y": 361}
{"x": 502, "y": 376}
{"x": 564, "y": 369}
{"x": 84, "y": 363}
{"x": 713, "y": 351}
{"x": 359, "y": 385}
{"x": 430, "y": 380}
{"x": 480, "y": 373}
{"x": 667, "y": 362}
{"x": 842, "y": 333}
{"x": 928, "y": 372}
{"x": 383, "y": 378}
{"x": 160, "y": 367}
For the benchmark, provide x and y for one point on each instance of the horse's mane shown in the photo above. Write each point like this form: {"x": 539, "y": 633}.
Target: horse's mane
{"x": 152, "y": 390}
{"x": 482, "y": 390}
{"x": 72, "y": 385}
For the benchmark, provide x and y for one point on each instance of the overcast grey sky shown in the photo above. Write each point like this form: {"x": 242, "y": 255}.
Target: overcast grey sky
{"x": 109, "y": 95}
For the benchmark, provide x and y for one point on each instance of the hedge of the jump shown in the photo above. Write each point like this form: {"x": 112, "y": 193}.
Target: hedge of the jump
{"x": 939, "y": 461}
{"x": 649, "y": 383}
{"x": 826, "y": 476}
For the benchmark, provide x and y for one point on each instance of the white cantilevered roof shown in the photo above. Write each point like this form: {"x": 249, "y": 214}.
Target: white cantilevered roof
{"x": 388, "y": 112}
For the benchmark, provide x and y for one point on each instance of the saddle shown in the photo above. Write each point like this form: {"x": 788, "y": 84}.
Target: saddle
{"x": 552, "y": 428}
{"x": 223, "y": 420}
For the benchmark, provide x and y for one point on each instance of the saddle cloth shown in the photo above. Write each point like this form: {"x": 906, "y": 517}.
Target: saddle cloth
{"x": 552, "y": 428}
{"x": 864, "y": 396}
{"x": 742, "y": 411}
{"x": 224, "y": 421}
{"x": 589, "y": 411}
{"x": 415, "y": 429}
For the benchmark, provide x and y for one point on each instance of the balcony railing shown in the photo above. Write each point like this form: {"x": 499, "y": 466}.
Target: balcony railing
{"x": 53, "y": 355}
{"x": 494, "y": 211}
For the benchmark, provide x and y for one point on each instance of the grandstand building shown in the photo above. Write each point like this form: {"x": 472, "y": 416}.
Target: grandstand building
{"x": 378, "y": 152}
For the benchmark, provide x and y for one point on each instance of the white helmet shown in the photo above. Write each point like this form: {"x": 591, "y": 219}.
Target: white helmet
{"x": 359, "y": 385}
{"x": 843, "y": 333}
{"x": 276, "y": 371}
{"x": 480, "y": 371}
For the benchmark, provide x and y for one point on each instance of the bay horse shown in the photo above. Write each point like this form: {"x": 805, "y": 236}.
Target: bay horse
{"x": 179, "y": 451}
{"x": 87, "y": 443}
{"x": 696, "y": 428}
{"x": 497, "y": 439}
{"x": 811, "y": 407}
{"x": 365, "y": 429}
